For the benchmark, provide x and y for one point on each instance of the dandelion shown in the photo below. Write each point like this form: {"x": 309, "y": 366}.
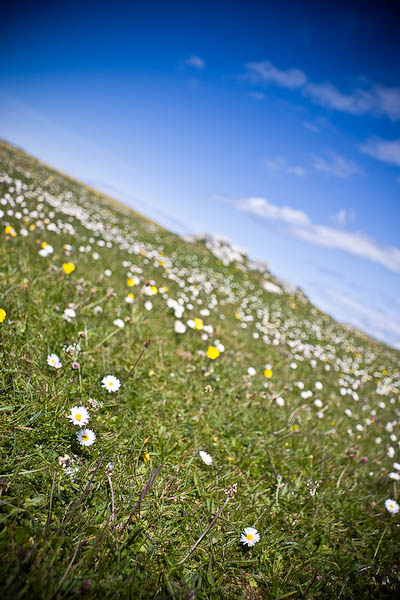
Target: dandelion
{"x": 54, "y": 361}
{"x": 86, "y": 437}
{"x": 198, "y": 324}
{"x": 119, "y": 323}
{"x": 392, "y": 506}
{"x": 111, "y": 383}
{"x": 3, "y": 314}
{"x": 205, "y": 457}
{"x": 10, "y": 231}
{"x": 213, "y": 352}
{"x": 268, "y": 373}
{"x": 68, "y": 268}
{"x": 250, "y": 536}
{"x": 79, "y": 415}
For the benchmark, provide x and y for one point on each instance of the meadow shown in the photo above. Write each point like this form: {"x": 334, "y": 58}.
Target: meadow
{"x": 160, "y": 395}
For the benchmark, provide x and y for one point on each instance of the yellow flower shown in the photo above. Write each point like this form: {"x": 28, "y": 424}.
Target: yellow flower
{"x": 198, "y": 324}
{"x": 68, "y": 268}
{"x": 153, "y": 289}
{"x": 213, "y": 352}
{"x": 130, "y": 282}
{"x": 146, "y": 457}
{"x": 268, "y": 373}
{"x": 44, "y": 244}
{"x": 10, "y": 231}
{"x": 130, "y": 295}
{"x": 3, "y": 314}
{"x": 238, "y": 316}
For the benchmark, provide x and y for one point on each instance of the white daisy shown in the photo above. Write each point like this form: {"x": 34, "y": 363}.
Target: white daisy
{"x": 119, "y": 323}
{"x": 148, "y": 305}
{"x": 251, "y": 371}
{"x": 395, "y": 476}
{"x": 69, "y": 314}
{"x": 79, "y": 416}
{"x": 250, "y": 536}
{"x": 111, "y": 383}
{"x": 54, "y": 361}
{"x": 179, "y": 327}
{"x": 205, "y": 457}
{"x": 392, "y": 506}
{"x": 280, "y": 401}
{"x": 86, "y": 437}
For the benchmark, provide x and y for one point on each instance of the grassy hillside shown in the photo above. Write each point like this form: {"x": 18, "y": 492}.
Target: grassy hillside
{"x": 212, "y": 354}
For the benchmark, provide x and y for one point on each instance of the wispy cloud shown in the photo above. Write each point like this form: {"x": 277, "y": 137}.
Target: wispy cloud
{"x": 336, "y": 165}
{"x": 263, "y": 208}
{"x": 339, "y": 166}
{"x": 280, "y": 166}
{"x": 194, "y": 62}
{"x": 387, "y": 151}
{"x": 265, "y": 72}
{"x": 343, "y": 217}
{"x": 378, "y": 324}
{"x": 299, "y": 225}
{"x": 372, "y": 99}
{"x": 352, "y": 242}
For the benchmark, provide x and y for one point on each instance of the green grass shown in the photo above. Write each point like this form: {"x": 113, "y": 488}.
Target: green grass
{"x": 58, "y": 538}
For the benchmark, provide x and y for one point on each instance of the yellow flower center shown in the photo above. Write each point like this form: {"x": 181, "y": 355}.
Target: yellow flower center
{"x": 78, "y": 417}
{"x": 110, "y": 383}
{"x": 249, "y": 536}
{"x": 85, "y": 437}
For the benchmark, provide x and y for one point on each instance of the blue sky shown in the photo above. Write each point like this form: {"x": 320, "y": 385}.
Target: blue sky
{"x": 278, "y": 126}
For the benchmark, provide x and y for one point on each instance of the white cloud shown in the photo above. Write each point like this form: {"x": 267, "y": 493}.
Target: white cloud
{"x": 301, "y": 227}
{"x": 280, "y": 166}
{"x": 263, "y": 208}
{"x": 343, "y": 217}
{"x": 266, "y": 72}
{"x": 352, "y": 242}
{"x": 195, "y": 62}
{"x": 372, "y": 99}
{"x": 339, "y": 166}
{"x": 387, "y": 151}
{"x": 357, "y": 102}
